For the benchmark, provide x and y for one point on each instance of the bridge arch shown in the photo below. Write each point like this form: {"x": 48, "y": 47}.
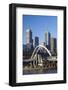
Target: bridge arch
{"x": 36, "y": 50}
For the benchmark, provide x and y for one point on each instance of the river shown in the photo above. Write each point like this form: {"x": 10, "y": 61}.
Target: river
{"x": 41, "y": 71}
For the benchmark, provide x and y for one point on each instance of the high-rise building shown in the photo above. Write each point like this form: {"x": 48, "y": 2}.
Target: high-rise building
{"x": 47, "y": 40}
{"x": 29, "y": 40}
{"x": 36, "y": 41}
{"x": 53, "y": 45}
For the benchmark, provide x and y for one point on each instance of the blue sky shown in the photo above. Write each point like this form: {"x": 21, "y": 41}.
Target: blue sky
{"x": 39, "y": 25}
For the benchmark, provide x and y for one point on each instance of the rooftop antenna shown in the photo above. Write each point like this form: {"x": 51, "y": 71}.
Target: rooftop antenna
{"x": 28, "y": 28}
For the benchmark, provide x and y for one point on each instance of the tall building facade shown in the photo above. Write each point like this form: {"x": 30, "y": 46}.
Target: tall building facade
{"x": 36, "y": 41}
{"x": 47, "y": 39}
{"x": 53, "y": 45}
{"x": 29, "y": 40}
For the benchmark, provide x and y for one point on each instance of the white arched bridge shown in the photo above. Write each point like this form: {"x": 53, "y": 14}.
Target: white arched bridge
{"x": 37, "y": 49}
{"x": 36, "y": 59}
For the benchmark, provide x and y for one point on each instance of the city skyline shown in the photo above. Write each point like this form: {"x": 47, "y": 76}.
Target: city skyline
{"x": 40, "y": 44}
{"x": 37, "y": 23}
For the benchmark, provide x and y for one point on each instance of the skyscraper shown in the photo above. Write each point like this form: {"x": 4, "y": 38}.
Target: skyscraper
{"x": 47, "y": 40}
{"x": 29, "y": 40}
{"x": 36, "y": 41}
{"x": 53, "y": 45}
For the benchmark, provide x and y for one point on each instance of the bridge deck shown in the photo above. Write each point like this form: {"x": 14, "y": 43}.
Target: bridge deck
{"x": 28, "y": 60}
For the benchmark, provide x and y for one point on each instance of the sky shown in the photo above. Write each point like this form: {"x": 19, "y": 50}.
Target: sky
{"x": 39, "y": 25}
